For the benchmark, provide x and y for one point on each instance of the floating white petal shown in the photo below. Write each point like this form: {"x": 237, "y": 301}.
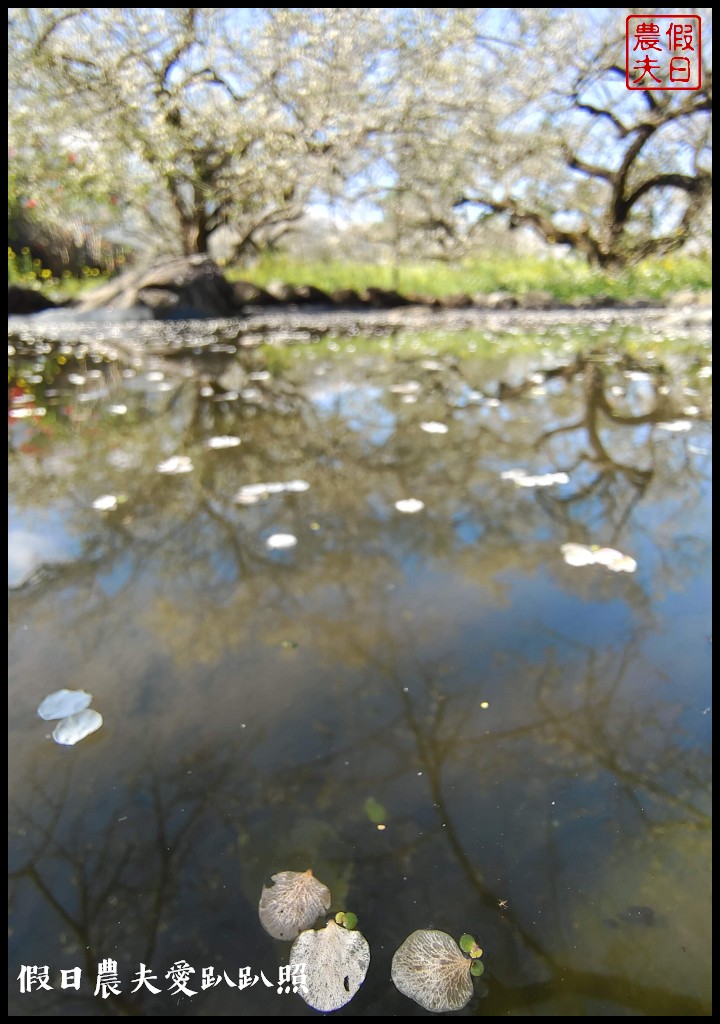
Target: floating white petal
{"x": 336, "y": 961}
{"x": 118, "y": 410}
{"x": 175, "y": 464}
{"x": 75, "y": 728}
{"x": 577, "y": 554}
{"x": 606, "y": 556}
{"x": 623, "y": 564}
{"x": 431, "y": 427}
{"x": 278, "y": 541}
{"x": 411, "y": 388}
{"x": 249, "y": 494}
{"x": 675, "y": 426}
{"x": 105, "y": 503}
{"x": 410, "y": 505}
{"x": 62, "y": 703}
{"x": 431, "y": 969}
{"x": 292, "y": 904}
{"x": 27, "y": 411}
{"x": 610, "y": 558}
{"x": 224, "y": 441}
{"x": 521, "y": 478}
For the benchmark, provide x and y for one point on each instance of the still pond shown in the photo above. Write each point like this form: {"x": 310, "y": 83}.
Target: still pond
{"x": 322, "y": 596}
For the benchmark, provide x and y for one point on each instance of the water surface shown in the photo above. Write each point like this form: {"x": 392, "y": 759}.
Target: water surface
{"x": 450, "y": 725}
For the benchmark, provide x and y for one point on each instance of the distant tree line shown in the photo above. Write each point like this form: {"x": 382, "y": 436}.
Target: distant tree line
{"x": 160, "y": 126}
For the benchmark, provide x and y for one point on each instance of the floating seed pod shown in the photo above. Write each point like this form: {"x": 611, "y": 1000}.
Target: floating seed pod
{"x": 431, "y": 969}
{"x": 336, "y": 961}
{"x": 292, "y": 904}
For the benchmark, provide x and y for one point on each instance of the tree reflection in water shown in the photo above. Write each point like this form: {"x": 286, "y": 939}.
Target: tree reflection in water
{"x": 534, "y": 731}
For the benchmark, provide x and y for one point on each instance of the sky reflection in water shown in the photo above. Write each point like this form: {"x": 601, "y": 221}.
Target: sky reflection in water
{"x": 536, "y": 732}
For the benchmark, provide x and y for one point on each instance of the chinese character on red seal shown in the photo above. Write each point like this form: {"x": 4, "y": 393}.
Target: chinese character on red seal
{"x": 663, "y": 51}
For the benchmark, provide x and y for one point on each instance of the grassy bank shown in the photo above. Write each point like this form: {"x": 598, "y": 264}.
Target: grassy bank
{"x": 565, "y": 278}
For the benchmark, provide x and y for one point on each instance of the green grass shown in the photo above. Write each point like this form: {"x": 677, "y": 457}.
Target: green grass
{"x": 565, "y": 278}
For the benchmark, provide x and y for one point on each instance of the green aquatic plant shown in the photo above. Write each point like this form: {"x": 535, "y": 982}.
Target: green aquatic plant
{"x": 346, "y": 919}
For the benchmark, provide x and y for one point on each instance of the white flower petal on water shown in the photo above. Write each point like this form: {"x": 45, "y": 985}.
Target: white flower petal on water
{"x": 75, "y": 728}
{"x": 175, "y": 464}
{"x": 431, "y": 969}
{"x": 521, "y": 478}
{"x": 624, "y": 564}
{"x": 410, "y": 388}
{"x": 26, "y": 412}
{"x": 105, "y": 503}
{"x": 675, "y": 426}
{"x": 610, "y": 558}
{"x": 410, "y": 505}
{"x": 224, "y": 441}
{"x": 606, "y": 556}
{"x": 614, "y": 560}
{"x": 118, "y": 410}
{"x": 577, "y": 554}
{"x": 249, "y": 494}
{"x": 292, "y": 904}
{"x": 431, "y": 427}
{"x": 251, "y": 395}
{"x": 336, "y": 961}
{"x": 279, "y": 541}
{"x": 259, "y": 375}
{"x": 259, "y": 490}
{"x": 62, "y": 703}
{"x": 75, "y": 378}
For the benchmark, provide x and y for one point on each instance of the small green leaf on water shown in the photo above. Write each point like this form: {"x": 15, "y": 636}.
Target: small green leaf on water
{"x": 340, "y": 917}
{"x": 375, "y": 811}
{"x": 477, "y": 968}
{"x": 350, "y": 920}
{"x": 467, "y": 943}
